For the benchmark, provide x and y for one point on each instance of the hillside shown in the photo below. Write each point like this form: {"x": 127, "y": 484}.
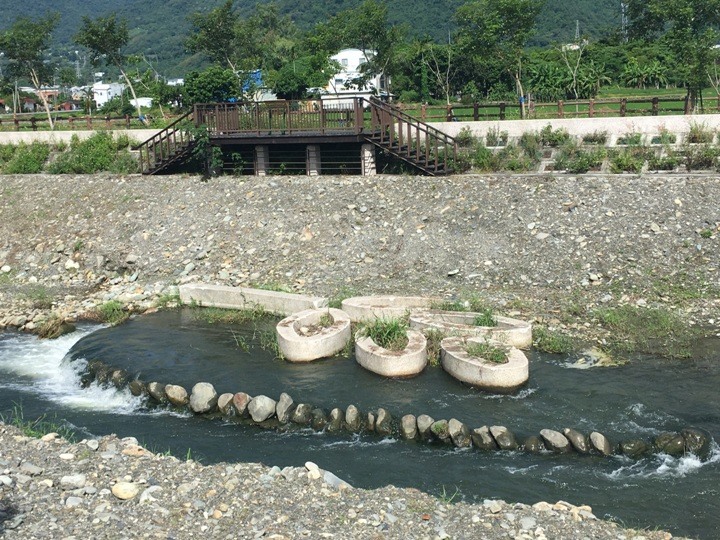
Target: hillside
{"x": 159, "y": 27}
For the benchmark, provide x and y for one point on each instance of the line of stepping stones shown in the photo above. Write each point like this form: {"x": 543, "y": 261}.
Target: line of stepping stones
{"x": 284, "y": 413}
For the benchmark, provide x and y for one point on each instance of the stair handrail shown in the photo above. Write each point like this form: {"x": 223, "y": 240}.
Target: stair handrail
{"x": 157, "y": 139}
{"x": 163, "y": 133}
{"x": 394, "y": 111}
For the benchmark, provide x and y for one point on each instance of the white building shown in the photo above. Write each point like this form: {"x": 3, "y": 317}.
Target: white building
{"x": 104, "y": 92}
{"x": 350, "y": 81}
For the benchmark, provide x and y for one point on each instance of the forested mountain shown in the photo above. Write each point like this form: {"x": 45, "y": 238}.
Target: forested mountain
{"x": 159, "y": 27}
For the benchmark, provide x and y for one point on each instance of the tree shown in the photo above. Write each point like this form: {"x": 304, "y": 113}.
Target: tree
{"x": 105, "y": 38}
{"x": 24, "y": 45}
{"x": 211, "y": 85}
{"x": 498, "y": 29}
{"x": 214, "y": 34}
{"x": 690, "y": 30}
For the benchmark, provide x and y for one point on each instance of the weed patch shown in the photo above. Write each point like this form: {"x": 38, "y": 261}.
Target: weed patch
{"x": 553, "y": 342}
{"x": 486, "y": 351}
{"x": 390, "y": 334}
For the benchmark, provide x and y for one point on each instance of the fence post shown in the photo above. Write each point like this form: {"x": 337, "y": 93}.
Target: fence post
{"x": 561, "y": 109}
{"x": 502, "y": 110}
{"x": 107, "y": 122}
{"x": 623, "y": 106}
{"x": 33, "y": 123}
{"x": 591, "y": 108}
{"x": 448, "y": 113}
{"x": 655, "y": 101}
{"x": 423, "y": 111}
{"x": 476, "y": 109}
{"x": 88, "y": 122}
{"x": 127, "y": 121}
{"x": 17, "y": 124}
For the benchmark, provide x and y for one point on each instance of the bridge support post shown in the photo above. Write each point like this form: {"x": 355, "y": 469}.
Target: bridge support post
{"x": 367, "y": 160}
{"x": 312, "y": 160}
{"x": 262, "y": 160}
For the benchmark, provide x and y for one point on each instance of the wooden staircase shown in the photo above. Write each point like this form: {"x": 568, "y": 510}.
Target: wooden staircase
{"x": 171, "y": 145}
{"x": 427, "y": 149}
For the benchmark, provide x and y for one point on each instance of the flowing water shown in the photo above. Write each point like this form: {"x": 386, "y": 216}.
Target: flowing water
{"x": 639, "y": 400}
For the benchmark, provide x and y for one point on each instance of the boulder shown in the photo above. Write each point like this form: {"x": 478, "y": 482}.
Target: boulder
{"x": 555, "y": 441}
{"x": 156, "y": 391}
{"x": 672, "y": 444}
{"x": 482, "y": 439}
{"x": 601, "y": 444}
{"x": 240, "y": 401}
{"x": 125, "y": 490}
{"x": 459, "y": 433}
{"x": 261, "y": 408}
{"x": 504, "y": 438}
{"x": 697, "y": 442}
{"x": 635, "y": 448}
{"x": 441, "y": 431}
{"x": 319, "y": 419}
{"x": 408, "y": 427}
{"x": 578, "y": 441}
{"x": 370, "y": 421}
{"x": 302, "y": 415}
{"x": 137, "y": 387}
{"x": 203, "y": 398}
{"x": 336, "y": 420}
{"x": 353, "y": 419}
{"x": 177, "y": 395}
{"x": 119, "y": 378}
{"x": 533, "y": 445}
{"x": 224, "y": 404}
{"x": 285, "y": 407}
{"x": 383, "y": 423}
{"x": 424, "y": 426}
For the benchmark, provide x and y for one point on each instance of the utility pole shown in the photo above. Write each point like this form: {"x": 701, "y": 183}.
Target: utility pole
{"x": 623, "y": 21}
{"x": 577, "y": 30}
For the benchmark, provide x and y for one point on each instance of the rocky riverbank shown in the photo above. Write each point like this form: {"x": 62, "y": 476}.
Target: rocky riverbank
{"x": 551, "y": 249}
{"x": 112, "y": 489}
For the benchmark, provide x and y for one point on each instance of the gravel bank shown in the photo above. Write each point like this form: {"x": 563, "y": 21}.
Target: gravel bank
{"x": 114, "y": 489}
{"x": 531, "y": 245}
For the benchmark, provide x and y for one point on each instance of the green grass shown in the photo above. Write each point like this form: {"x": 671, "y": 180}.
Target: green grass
{"x": 326, "y": 320}
{"x": 38, "y": 427}
{"x": 111, "y": 312}
{"x": 434, "y": 336}
{"x": 38, "y": 296}
{"x": 272, "y": 286}
{"x": 213, "y": 315}
{"x": 167, "y": 301}
{"x": 646, "y": 330}
{"x": 553, "y": 342}
{"x": 390, "y": 334}
{"x": 486, "y": 351}
{"x": 335, "y": 301}
{"x": 485, "y": 318}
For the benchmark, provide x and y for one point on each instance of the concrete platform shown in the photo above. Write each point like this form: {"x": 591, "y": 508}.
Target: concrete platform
{"x": 477, "y": 372}
{"x": 406, "y": 363}
{"x": 302, "y": 339}
{"x": 245, "y": 298}
{"x": 508, "y": 331}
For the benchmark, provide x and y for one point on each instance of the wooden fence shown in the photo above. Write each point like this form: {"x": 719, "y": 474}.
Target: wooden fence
{"x": 32, "y": 122}
{"x": 651, "y": 106}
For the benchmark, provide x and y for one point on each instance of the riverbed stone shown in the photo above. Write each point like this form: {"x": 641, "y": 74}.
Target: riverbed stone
{"x": 125, "y": 490}
{"x": 425, "y": 423}
{"x": 482, "y": 439}
{"x": 600, "y": 443}
{"x": 302, "y": 415}
{"x": 670, "y": 443}
{"x": 353, "y": 419}
{"x": 697, "y": 441}
{"x": 533, "y": 445}
{"x": 119, "y": 378}
{"x": 504, "y": 438}
{"x": 459, "y": 433}
{"x": 408, "y": 427}
{"x": 384, "y": 422}
{"x": 203, "y": 398}
{"x": 441, "y": 431}
{"x": 224, "y": 403}
{"x": 370, "y": 421}
{"x": 634, "y": 448}
{"x": 177, "y": 395}
{"x": 240, "y": 402}
{"x": 72, "y": 481}
{"x": 137, "y": 387}
{"x": 319, "y": 419}
{"x": 156, "y": 390}
{"x": 284, "y": 408}
{"x": 578, "y": 441}
{"x": 555, "y": 441}
{"x": 261, "y": 408}
{"x": 336, "y": 420}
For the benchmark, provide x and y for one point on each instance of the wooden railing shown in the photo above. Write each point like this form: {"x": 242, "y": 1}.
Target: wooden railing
{"x": 279, "y": 117}
{"x": 31, "y": 122}
{"x": 165, "y": 144}
{"x": 589, "y": 108}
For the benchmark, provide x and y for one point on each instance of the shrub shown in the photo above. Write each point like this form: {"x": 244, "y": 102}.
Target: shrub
{"x": 495, "y": 137}
{"x": 99, "y": 152}
{"x": 554, "y": 138}
{"x": 596, "y": 137}
{"x": 630, "y": 139}
{"x": 629, "y": 160}
{"x": 389, "y": 334}
{"x": 552, "y": 342}
{"x": 700, "y": 157}
{"x": 112, "y": 312}
{"x": 485, "y": 318}
{"x": 28, "y": 158}
{"x": 575, "y": 160}
{"x": 667, "y": 162}
{"x": 529, "y": 143}
{"x": 7, "y": 151}
{"x": 699, "y": 134}
{"x": 665, "y": 137}
{"x": 466, "y": 138}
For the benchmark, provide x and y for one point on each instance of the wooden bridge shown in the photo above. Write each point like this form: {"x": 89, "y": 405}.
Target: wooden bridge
{"x": 319, "y": 135}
